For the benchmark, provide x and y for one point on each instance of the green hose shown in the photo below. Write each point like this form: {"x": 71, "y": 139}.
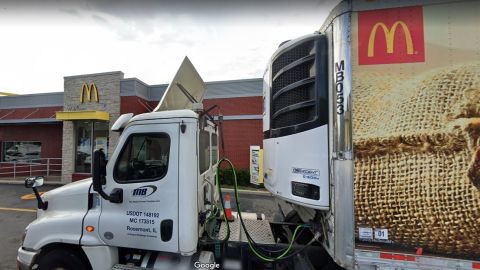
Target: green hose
{"x": 212, "y": 216}
{"x": 223, "y": 208}
{"x": 252, "y": 248}
{"x": 267, "y": 259}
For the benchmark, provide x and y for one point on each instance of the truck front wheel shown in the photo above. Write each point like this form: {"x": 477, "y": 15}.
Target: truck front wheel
{"x": 62, "y": 259}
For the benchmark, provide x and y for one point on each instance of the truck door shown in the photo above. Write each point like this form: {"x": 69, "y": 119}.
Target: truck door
{"x": 145, "y": 167}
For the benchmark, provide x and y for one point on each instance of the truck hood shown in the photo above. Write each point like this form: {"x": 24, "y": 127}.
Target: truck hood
{"x": 72, "y": 189}
{"x": 62, "y": 221}
{"x": 68, "y": 197}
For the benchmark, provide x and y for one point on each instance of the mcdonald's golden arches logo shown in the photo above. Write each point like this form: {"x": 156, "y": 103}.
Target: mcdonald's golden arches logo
{"x": 391, "y": 36}
{"x": 88, "y": 89}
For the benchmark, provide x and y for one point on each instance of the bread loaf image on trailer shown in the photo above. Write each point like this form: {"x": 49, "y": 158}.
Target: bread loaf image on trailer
{"x": 417, "y": 158}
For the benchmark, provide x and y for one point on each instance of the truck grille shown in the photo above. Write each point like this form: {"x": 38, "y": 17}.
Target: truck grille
{"x": 299, "y": 87}
{"x": 300, "y": 51}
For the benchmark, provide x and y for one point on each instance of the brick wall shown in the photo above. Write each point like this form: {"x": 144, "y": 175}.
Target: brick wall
{"x": 50, "y": 135}
{"x": 236, "y": 106}
{"x": 29, "y": 113}
{"x": 227, "y": 106}
{"x": 239, "y": 135}
{"x": 135, "y": 105}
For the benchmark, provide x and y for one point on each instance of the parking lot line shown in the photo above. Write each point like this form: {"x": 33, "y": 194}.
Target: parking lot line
{"x": 30, "y": 196}
{"x": 17, "y": 209}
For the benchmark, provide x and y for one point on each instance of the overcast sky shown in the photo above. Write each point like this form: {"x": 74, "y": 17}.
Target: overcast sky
{"x": 42, "y": 41}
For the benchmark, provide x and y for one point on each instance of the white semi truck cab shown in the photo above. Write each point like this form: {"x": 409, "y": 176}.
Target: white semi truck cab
{"x": 154, "y": 193}
{"x": 155, "y": 204}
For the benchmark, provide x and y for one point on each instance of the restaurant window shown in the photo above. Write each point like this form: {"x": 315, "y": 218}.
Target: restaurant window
{"x": 21, "y": 151}
{"x": 90, "y": 136}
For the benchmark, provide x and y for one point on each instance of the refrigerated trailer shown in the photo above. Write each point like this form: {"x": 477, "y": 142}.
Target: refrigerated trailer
{"x": 371, "y": 129}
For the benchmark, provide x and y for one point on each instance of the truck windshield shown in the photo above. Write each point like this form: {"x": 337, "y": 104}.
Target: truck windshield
{"x": 144, "y": 157}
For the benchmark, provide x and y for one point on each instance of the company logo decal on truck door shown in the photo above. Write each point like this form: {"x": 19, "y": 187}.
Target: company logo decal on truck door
{"x": 389, "y": 36}
{"x": 144, "y": 191}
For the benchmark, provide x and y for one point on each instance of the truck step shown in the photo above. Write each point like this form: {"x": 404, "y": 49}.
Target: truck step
{"x": 127, "y": 267}
{"x": 259, "y": 230}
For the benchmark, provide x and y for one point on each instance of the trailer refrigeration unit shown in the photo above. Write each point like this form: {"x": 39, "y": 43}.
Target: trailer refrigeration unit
{"x": 371, "y": 128}
{"x": 371, "y": 133}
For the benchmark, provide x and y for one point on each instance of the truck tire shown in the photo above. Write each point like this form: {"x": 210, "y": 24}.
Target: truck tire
{"x": 62, "y": 259}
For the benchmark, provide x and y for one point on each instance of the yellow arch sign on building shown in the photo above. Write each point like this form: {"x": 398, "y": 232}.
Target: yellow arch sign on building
{"x": 89, "y": 88}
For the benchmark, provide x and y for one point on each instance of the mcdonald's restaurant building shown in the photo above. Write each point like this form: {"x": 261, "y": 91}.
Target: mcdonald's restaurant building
{"x": 60, "y": 130}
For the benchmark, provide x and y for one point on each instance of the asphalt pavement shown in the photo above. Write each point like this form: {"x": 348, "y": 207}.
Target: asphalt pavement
{"x": 16, "y": 213}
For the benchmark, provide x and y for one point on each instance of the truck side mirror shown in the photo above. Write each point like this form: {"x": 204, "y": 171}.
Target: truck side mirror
{"x": 98, "y": 178}
{"x": 34, "y": 181}
{"x": 99, "y": 169}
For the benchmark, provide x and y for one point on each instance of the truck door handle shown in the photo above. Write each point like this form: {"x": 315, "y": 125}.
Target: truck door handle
{"x": 116, "y": 196}
{"x": 166, "y": 229}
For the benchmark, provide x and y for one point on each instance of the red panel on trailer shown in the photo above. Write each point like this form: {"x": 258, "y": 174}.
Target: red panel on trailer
{"x": 397, "y": 257}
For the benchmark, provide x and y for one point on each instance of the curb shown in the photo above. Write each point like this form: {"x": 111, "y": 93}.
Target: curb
{"x": 251, "y": 192}
{"x": 17, "y": 182}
